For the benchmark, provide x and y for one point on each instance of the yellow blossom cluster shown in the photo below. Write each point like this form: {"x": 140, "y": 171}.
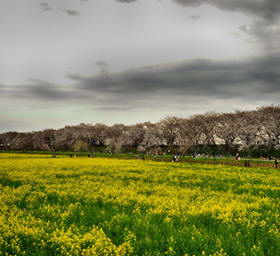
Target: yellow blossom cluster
{"x": 97, "y": 206}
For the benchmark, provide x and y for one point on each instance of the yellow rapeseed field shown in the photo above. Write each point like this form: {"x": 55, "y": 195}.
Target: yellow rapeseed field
{"x": 111, "y": 207}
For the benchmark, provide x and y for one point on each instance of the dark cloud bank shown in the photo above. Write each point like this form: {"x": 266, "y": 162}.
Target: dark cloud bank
{"x": 196, "y": 77}
{"x": 254, "y": 79}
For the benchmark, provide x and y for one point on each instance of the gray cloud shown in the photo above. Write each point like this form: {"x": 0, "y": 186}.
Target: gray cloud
{"x": 164, "y": 87}
{"x": 45, "y": 6}
{"x": 266, "y": 9}
{"x": 102, "y": 63}
{"x": 266, "y": 35}
{"x": 195, "y": 17}
{"x": 251, "y": 78}
{"x": 142, "y": 87}
{"x": 43, "y": 90}
{"x": 264, "y": 30}
{"x": 71, "y": 12}
{"x": 103, "y": 67}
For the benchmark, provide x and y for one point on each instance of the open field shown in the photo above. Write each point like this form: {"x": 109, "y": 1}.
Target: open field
{"x": 97, "y": 206}
{"x": 254, "y": 162}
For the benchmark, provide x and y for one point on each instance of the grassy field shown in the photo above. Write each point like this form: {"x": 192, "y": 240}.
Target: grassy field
{"x": 97, "y": 206}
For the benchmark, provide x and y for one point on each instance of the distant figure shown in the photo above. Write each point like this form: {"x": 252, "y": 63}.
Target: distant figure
{"x": 237, "y": 157}
{"x": 174, "y": 159}
{"x": 276, "y": 163}
{"x": 247, "y": 163}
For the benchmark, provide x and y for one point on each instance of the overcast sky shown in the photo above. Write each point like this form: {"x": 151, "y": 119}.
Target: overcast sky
{"x": 65, "y": 62}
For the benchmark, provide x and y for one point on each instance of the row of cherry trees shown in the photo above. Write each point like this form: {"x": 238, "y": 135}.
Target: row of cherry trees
{"x": 241, "y": 129}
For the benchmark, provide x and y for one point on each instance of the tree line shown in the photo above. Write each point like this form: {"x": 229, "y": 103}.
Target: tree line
{"x": 255, "y": 133}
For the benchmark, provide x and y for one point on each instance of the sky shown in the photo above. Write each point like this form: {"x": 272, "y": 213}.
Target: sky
{"x": 65, "y": 62}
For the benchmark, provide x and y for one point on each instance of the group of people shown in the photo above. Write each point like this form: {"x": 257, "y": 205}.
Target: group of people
{"x": 248, "y": 163}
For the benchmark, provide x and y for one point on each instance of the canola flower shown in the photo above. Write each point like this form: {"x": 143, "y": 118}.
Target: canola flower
{"x": 117, "y": 207}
